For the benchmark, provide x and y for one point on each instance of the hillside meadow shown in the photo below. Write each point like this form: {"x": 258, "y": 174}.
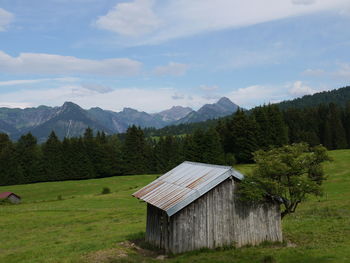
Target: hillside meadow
{"x": 72, "y": 221}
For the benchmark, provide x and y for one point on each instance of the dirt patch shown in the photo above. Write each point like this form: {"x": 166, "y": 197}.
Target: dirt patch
{"x": 290, "y": 244}
{"x": 105, "y": 256}
{"x": 121, "y": 251}
{"x": 136, "y": 246}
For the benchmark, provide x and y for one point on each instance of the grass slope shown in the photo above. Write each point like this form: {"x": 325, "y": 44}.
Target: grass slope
{"x": 44, "y": 229}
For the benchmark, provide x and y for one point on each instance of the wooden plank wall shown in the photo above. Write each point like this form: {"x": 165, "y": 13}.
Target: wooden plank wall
{"x": 214, "y": 220}
{"x": 205, "y": 223}
{"x": 157, "y": 227}
{"x": 256, "y": 223}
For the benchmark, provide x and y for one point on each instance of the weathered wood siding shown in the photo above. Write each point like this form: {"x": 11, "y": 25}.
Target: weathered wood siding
{"x": 257, "y": 223}
{"x": 14, "y": 199}
{"x": 216, "y": 219}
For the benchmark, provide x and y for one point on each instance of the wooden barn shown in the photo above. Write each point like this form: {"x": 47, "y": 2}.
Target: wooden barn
{"x": 11, "y": 197}
{"x": 194, "y": 206}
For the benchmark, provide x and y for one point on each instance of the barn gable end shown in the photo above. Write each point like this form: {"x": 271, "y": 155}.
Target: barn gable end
{"x": 12, "y": 197}
{"x": 215, "y": 218}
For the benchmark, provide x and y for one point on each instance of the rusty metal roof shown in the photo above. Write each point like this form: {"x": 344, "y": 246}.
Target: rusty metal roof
{"x": 5, "y": 195}
{"x": 185, "y": 183}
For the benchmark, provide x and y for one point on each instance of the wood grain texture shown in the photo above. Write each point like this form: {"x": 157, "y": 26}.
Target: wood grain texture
{"x": 216, "y": 219}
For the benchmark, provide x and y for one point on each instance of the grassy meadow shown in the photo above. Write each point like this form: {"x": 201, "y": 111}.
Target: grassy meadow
{"x": 73, "y": 222}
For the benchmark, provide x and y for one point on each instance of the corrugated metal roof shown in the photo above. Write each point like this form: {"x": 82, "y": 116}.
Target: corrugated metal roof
{"x": 185, "y": 183}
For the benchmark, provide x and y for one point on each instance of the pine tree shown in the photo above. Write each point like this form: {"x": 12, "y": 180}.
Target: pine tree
{"x": 213, "y": 152}
{"x": 243, "y": 134}
{"x": 278, "y": 130}
{"x": 224, "y": 133}
{"x": 167, "y": 153}
{"x": 337, "y": 130}
{"x": 264, "y": 130}
{"x": 10, "y": 170}
{"x": 29, "y": 157}
{"x": 198, "y": 145}
{"x": 52, "y": 159}
{"x": 82, "y": 166}
{"x": 346, "y": 122}
{"x": 271, "y": 128}
{"x": 113, "y": 150}
{"x": 189, "y": 150}
{"x": 134, "y": 151}
{"x": 324, "y": 126}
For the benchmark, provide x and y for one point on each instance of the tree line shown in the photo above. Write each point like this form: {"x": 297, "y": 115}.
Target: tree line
{"x": 229, "y": 141}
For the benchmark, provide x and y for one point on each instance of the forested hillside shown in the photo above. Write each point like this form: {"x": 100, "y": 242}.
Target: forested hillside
{"x": 221, "y": 141}
{"x": 301, "y": 106}
{"x": 226, "y": 141}
{"x": 338, "y": 96}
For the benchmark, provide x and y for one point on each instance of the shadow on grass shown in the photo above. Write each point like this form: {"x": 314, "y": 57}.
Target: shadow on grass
{"x": 138, "y": 242}
{"x": 144, "y": 249}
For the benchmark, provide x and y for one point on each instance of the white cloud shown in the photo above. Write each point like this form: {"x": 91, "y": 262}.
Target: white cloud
{"x": 343, "y": 71}
{"x": 303, "y": 2}
{"x": 209, "y": 88}
{"x": 172, "y": 69}
{"x": 131, "y": 19}
{"x": 299, "y": 89}
{"x": 263, "y": 94}
{"x": 314, "y": 72}
{"x": 149, "y": 100}
{"x": 5, "y": 19}
{"x": 181, "y": 18}
{"x": 178, "y": 96}
{"x": 14, "y": 105}
{"x": 96, "y": 87}
{"x": 32, "y": 81}
{"x": 38, "y": 63}
{"x": 257, "y": 95}
{"x": 212, "y": 96}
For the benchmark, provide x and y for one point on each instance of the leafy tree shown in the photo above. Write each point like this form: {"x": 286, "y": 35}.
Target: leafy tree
{"x": 288, "y": 174}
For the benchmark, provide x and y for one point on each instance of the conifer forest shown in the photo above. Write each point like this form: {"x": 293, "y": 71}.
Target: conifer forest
{"x": 226, "y": 141}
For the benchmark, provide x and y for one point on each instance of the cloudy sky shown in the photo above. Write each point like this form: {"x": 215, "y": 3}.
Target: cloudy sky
{"x": 153, "y": 54}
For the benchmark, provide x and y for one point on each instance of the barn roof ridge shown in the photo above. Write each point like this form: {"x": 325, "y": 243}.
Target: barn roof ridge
{"x": 4, "y": 195}
{"x": 209, "y": 165}
{"x": 184, "y": 184}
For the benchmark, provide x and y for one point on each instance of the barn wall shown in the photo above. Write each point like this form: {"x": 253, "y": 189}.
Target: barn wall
{"x": 216, "y": 219}
{"x": 205, "y": 223}
{"x": 256, "y": 223}
{"x": 157, "y": 227}
{"x": 14, "y": 199}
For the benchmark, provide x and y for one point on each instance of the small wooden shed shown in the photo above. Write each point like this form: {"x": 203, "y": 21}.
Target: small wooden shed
{"x": 11, "y": 197}
{"x": 194, "y": 206}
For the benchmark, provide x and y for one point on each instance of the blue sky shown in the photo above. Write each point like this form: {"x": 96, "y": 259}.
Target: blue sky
{"x": 153, "y": 54}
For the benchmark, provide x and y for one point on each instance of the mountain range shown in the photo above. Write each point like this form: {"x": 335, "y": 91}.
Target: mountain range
{"x": 70, "y": 120}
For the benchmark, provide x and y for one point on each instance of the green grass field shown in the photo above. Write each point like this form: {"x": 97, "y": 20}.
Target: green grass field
{"x": 89, "y": 227}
